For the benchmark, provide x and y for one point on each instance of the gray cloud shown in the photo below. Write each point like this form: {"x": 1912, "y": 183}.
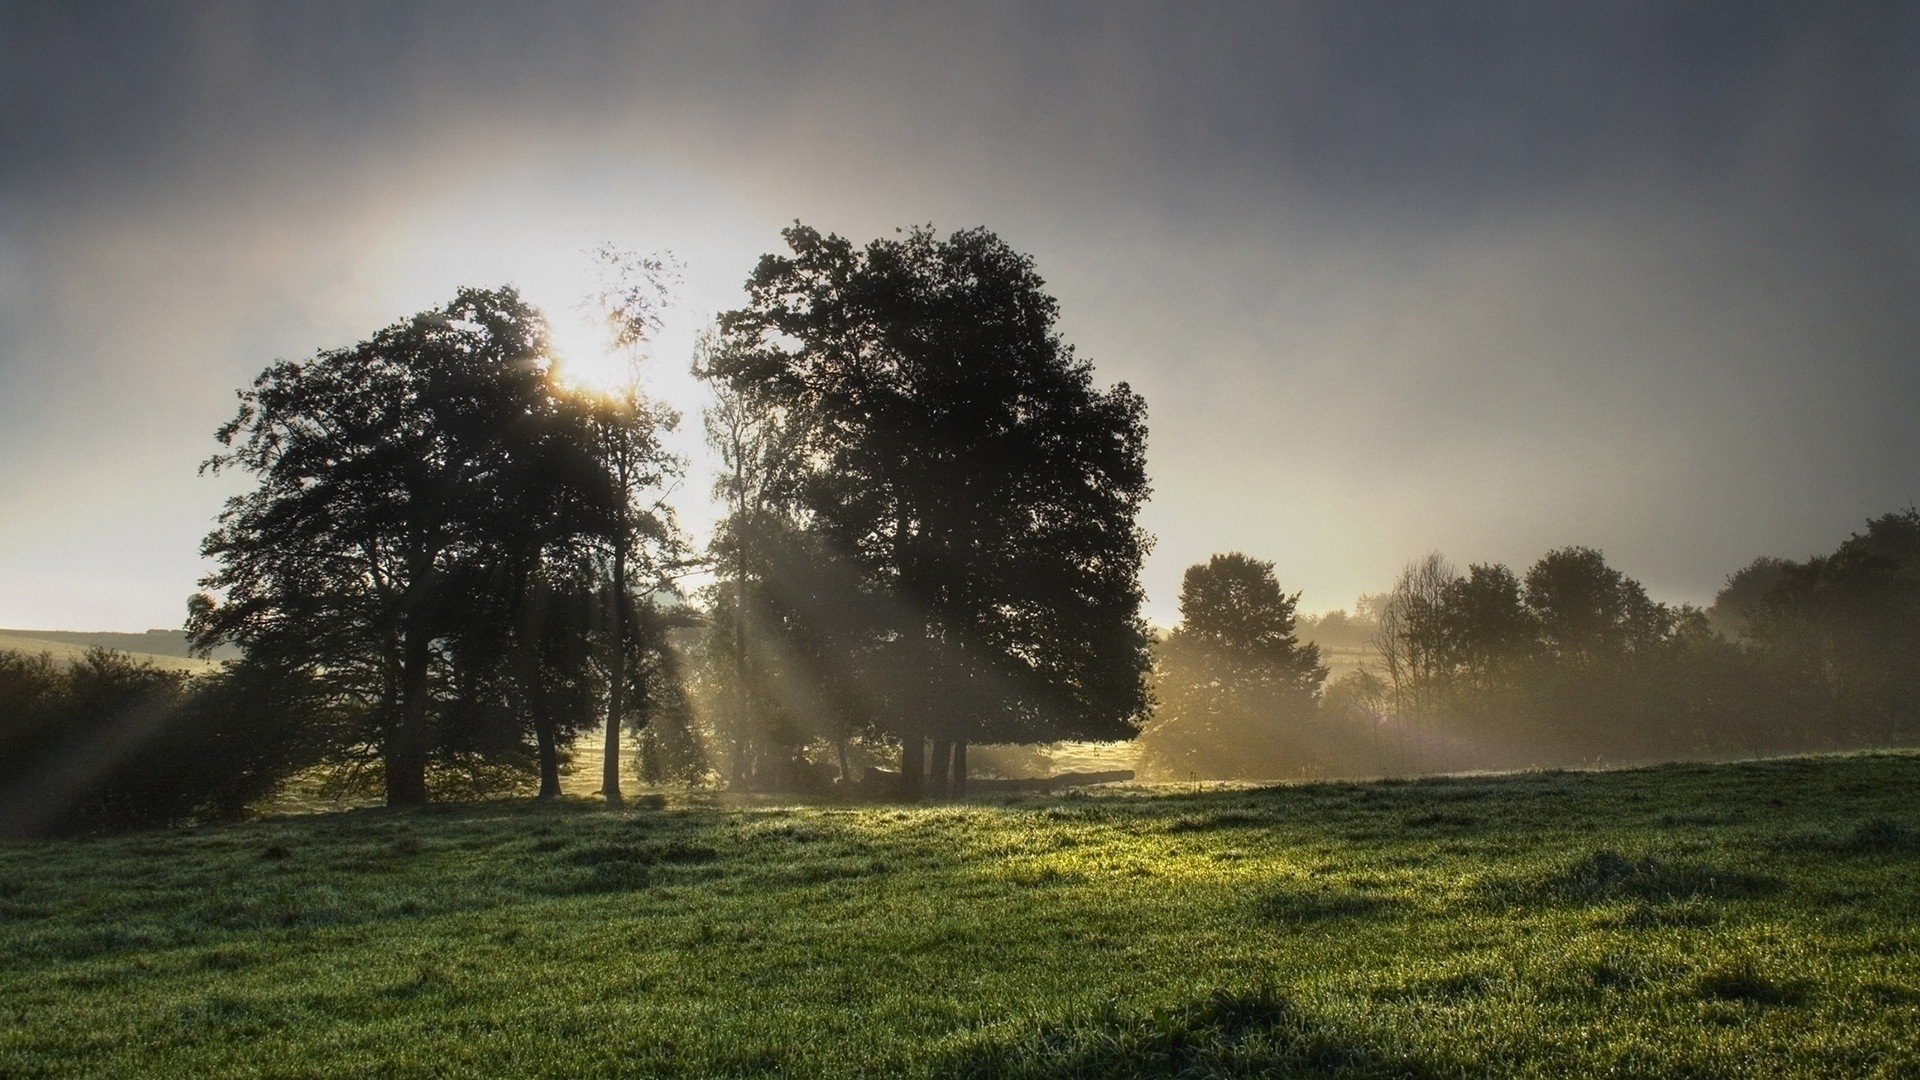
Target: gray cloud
{"x": 1484, "y": 277}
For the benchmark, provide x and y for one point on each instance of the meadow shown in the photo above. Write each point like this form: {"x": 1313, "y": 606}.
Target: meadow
{"x": 67, "y": 648}
{"x": 1699, "y": 920}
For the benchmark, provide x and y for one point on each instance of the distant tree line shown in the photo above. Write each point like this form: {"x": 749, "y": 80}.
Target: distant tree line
{"x": 1568, "y": 664}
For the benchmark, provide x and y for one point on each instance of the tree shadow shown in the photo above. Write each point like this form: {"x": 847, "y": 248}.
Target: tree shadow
{"x": 1251, "y": 1032}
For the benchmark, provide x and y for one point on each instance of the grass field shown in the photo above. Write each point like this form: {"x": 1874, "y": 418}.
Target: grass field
{"x": 1740, "y": 920}
{"x": 67, "y": 648}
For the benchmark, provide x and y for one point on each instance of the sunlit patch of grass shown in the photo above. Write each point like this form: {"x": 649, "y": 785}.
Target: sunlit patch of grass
{"x": 1692, "y": 920}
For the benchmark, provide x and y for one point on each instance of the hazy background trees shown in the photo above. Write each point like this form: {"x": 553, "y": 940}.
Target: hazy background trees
{"x": 1236, "y": 690}
{"x": 1571, "y": 663}
{"x": 1847, "y": 628}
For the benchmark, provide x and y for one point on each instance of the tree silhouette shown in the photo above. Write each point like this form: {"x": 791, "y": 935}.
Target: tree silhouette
{"x": 1412, "y": 639}
{"x": 1486, "y": 625}
{"x": 416, "y": 544}
{"x": 1849, "y": 623}
{"x": 642, "y": 544}
{"x": 1237, "y": 689}
{"x": 1589, "y": 613}
{"x": 960, "y": 459}
{"x": 1746, "y": 594}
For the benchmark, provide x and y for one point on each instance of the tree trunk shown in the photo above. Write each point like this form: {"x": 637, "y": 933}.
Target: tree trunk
{"x": 406, "y": 750}
{"x": 737, "y": 698}
{"x": 406, "y": 774}
{"x": 913, "y": 753}
{"x": 942, "y": 756}
{"x": 548, "y": 740}
{"x": 617, "y": 685}
{"x": 959, "y": 784}
{"x": 530, "y": 694}
{"x": 637, "y": 705}
{"x": 840, "y": 748}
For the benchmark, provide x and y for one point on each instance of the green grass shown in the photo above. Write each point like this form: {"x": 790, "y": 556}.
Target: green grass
{"x": 1754, "y": 919}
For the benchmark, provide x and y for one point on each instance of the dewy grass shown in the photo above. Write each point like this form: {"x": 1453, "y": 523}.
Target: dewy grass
{"x": 1742, "y": 919}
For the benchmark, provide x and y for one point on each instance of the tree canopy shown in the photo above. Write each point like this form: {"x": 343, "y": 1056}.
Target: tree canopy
{"x": 960, "y": 459}
{"x": 421, "y": 538}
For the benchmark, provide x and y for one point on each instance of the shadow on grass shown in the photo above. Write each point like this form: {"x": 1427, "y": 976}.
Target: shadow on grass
{"x": 1878, "y": 837}
{"x": 1606, "y": 876}
{"x": 1245, "y": 1033}
{"x": 1294, "y": 906}
{"x": 619, "y": 866}
{"x": 1740, "y": 980}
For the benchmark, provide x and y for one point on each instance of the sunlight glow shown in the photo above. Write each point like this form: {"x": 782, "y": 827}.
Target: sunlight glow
{"x": 584, "y": 356}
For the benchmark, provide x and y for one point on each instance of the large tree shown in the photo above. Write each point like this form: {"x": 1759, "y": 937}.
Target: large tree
{"x": 415, "y": 544}
{"x": 959, "y": 458}
{"x": 1486, "y": 626}
{"x": 643, "y": 546}
{"x": 1411, "y": 636}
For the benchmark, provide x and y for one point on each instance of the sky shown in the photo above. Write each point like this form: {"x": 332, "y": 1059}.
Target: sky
{"x": 1488, "y": 279}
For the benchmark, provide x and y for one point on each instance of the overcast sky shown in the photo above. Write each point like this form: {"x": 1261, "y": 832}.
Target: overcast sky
{"x": 1391, "y": 278}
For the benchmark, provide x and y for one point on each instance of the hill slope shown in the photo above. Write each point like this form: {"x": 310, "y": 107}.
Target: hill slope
{"x": 1725, "y": 920}
{"x": 161, "y": 648}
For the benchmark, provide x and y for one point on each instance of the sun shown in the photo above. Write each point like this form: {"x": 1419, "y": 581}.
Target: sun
{"x": 585, "y": 359}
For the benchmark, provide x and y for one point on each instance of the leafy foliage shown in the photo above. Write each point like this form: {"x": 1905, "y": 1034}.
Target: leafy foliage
{"x": 958, "y": 458}
{"x": 423, "y": 541}
{"x": 1235, "y": 684}
{"x": 110, "y": 743}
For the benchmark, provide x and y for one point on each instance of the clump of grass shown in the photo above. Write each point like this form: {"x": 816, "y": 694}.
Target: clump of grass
{"x": 1448, "y": 986}
{"x": 225, "y": 958}
{"x": 1741, "y": 980}
{"x": 1230, "y": 819}
{"x": 1690, "y": 913}
{"x": 1318, "y": 903}
{"x": 1890, "y": 995}
{"x": 1439, "y": 819}
{"x": 614, "y": 853}
{"x": 622, "y": 866}
{"x": 1878, "y": 836}
{"x": 1254, "y": 1032}
{"x": 1606, "y": 875}
{"x": 1045, "y": 876}
{"x": 1881, "y": 836}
